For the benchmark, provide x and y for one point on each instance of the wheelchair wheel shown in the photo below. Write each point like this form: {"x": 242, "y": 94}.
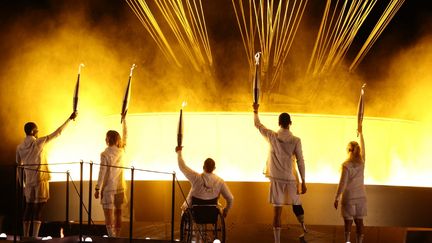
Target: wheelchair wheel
{"x": 186, "y": 227}
{"x": 219, "y": 228}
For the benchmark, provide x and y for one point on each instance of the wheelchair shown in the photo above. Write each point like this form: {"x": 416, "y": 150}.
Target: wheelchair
{"x": 204, "y": 220}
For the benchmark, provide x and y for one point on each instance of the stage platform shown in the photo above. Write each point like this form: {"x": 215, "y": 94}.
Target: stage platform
{"x": 262, "y": 233}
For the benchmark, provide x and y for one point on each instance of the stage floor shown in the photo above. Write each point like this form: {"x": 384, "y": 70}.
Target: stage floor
{"x": 262, "y": 233}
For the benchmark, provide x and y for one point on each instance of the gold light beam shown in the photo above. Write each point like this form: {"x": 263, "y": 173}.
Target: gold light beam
{"x": 387, "y": 16}
{"x": 186, "y": 23}
{"x": 273, "y": 25}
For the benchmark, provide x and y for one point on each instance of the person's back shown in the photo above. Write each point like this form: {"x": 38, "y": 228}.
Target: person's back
{"x": 205, "y": 185}
{"x": 355, "y": 181}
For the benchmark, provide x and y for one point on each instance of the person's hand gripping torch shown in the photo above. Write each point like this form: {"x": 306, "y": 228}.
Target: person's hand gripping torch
{"x": 126, "y": 98}
{"x": 76, "y": 93}
{"x": 256, "y": 79}
{"x": 180, "y": 126}
{"x": 360, "y": 110}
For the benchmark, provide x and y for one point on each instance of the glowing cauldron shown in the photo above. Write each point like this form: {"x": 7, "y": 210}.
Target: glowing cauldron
{"x": 396, "y": 151}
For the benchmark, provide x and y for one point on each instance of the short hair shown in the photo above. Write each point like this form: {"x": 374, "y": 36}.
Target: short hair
{"x": 113, "y": 138}
{"x": 209, "y": 165}
{"x": 29, "y": 127}
{"x": 284, "y": 120}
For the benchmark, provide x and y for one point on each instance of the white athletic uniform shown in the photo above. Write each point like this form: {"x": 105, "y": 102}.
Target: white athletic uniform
{"x": 111, "y": 182}
{"x": 36, "y": 177}
{"x": 285, "y": 150}
{"x": 351, "y": 188}
{"x": 205, "y": 186}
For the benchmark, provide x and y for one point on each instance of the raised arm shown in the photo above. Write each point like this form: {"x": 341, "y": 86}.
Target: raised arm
{"x": 263, "y": 130}
{"x": 59, "y": 130}
{"x": 362, "y": 145}
{"x": 125, "y": 134}
{"x": 190, "y": 174}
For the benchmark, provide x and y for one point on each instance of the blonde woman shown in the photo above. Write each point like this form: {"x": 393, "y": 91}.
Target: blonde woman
{"x": 111, "y": 184}
{"x": 351, "y": 191}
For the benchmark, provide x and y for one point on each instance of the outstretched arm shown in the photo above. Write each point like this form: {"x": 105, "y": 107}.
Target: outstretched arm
{"x": 263, "y": 130}
{"x": 125, "y": 134}
{"x": 59, "y": 130}
{"x": 190, "y": 174}
{"x": 362, "y": 144}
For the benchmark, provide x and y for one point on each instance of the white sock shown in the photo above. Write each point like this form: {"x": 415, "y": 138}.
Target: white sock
{"x": 276, "y": 233}
{"x": 111, "y": 231}
{"x": 347, "y": 237}
{"x": 36, "y": 227}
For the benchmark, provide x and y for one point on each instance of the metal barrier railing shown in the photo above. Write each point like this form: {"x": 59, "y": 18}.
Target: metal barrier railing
{"x": 20, "y": 191}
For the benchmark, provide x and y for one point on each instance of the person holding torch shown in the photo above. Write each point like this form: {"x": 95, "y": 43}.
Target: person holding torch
{"x": 206, "y": 186}
{"x": 111, "y": 184}
{"x": 285, "y": 151}
{"x": 351, "y": 191}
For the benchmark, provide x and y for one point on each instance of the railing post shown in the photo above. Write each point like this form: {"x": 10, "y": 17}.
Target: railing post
{"x": 131, "y": 204}
{"x": 67, "y": 197}
{"x": 22, "y": 203}
{"x": 81, "y": 201}
{"x": 17, "y": 198}
{"x": 90, "y": 195}
{"x": 172, "y": 205}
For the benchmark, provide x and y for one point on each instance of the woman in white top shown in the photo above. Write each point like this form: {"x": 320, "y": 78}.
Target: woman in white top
{"x": 111, "y": 183}
{"x": 351, "y": 189}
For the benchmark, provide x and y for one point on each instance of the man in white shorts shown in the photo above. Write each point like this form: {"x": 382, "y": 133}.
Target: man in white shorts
{"x": 30, "y": 153}
{"x": 285, "y": 151}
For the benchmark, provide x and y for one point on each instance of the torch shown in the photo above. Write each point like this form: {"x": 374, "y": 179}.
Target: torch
{"x": 180, "y": 126}
{"x": 256, "y": 79}
{"x": 75, "y": 98}
{"x": 360, "y": 109}
{"x": 126, "y": 98}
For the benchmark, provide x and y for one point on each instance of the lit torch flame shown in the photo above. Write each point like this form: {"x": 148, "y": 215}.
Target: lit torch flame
{"x": 76, "y": 92}
{"x": 256, "y": 79}
{"x": 126, "y": 98}
{"x": 360, "y": 110}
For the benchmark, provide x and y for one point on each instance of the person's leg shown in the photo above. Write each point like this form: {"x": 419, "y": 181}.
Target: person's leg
{"x": 359, "y": 230}
{"x": 109, "y": 221}
{"x": 299, "y": 213}
{"x": 37, "y": 217}
{"x": 27, "y": 219}
{"x": 117, "y": 221}
{"x": 277, "y": 223}
{"x": 348, "y": 225}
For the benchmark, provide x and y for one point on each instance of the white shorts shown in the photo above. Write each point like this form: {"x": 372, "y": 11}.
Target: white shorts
{"x": 284, "y": 193}
{"x": 112, "y": 200}
{"x": 354, "y": 210}
{"x": 38, "y": 193}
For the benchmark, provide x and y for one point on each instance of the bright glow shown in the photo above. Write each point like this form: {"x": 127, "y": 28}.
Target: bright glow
{"x": 216, "y": 241}
{"x": 3, "y": 236}
{"x": 88, "y": 239}
{"x": 396, "y": 150}
{"x": 47, "y": 238}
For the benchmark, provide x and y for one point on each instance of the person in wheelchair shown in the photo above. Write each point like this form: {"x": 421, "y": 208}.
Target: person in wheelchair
{"x": 206, "y": 187}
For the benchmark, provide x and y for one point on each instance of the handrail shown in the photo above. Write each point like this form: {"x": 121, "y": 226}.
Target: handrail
{"x": 22, "y": 167}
